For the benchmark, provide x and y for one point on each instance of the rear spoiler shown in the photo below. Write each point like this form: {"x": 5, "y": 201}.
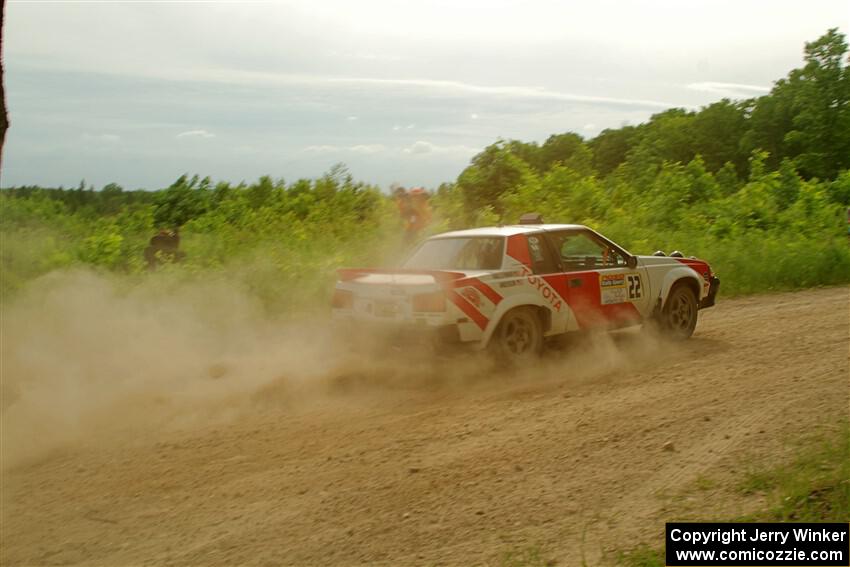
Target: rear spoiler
{"x": 348, "y": 274}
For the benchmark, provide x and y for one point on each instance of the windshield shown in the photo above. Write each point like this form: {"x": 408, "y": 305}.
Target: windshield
{"x": 477, "y": 253}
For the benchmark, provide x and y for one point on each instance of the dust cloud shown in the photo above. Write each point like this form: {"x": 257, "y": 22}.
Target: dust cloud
{"x": 89, "y": 358}
{"x": 86, "y": 356}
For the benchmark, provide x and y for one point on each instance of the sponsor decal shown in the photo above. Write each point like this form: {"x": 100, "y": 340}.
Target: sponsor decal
{"x": 544, "y": 289}
{"x": 612, "y": 280}
{"x": 612, "y": 288}
{"x": 620, "y": 288}
{"x": 477, "y": 289}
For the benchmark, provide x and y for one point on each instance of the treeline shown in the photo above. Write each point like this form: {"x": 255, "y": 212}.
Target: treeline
{"x": 804, "y": 121}
{"x": 280, "y": 241}
{"x": 758, "y": 187}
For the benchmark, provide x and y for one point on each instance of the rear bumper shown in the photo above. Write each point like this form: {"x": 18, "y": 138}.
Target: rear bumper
{"x": 708, "y": 300}
{"x": 397, "y": 332}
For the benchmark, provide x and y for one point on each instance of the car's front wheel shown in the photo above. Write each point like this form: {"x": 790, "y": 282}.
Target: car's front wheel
{"x": 679, "y": 318}
{"x": 519, "y": 336}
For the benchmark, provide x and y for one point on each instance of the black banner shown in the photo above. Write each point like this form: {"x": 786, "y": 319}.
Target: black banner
{"x": 764, "y": 545}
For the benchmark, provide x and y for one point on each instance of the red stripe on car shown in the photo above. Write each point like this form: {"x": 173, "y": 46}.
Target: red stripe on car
{"x": 699, "y": 266}
{"x": 485, "y": 289}
{"x": 469, "y": 309}
{"x": 518, "y": 249}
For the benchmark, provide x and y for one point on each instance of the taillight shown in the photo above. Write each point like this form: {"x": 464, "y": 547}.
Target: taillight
{"x": 343, "y": 299}
{"x": 429, "y": 302}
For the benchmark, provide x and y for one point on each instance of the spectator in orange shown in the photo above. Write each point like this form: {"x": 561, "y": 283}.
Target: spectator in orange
{"x": 421, "y": 210}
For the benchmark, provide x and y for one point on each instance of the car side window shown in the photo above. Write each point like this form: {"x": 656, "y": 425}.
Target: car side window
{"x": 543, "y": 260}
{"x": 580, "y": 251}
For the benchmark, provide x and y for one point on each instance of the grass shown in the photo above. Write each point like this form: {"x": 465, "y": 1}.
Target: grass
{"x": 531, "y": 556}
{"x": 642, "y": 556}
{"x": 813, "y": 487}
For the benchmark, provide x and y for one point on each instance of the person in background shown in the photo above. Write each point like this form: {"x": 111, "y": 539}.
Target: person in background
{"x": 164, "y": 247}
{"x": 421, "y": 211}
{"x": 414, "y": 210}
{"x": 403, "y": 202}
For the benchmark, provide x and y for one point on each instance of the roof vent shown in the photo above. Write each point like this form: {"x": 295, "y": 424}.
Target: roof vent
{"x": 531, "y": 218}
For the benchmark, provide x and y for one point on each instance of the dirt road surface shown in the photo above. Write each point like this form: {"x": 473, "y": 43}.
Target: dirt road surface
{"x": 590, "y": 454}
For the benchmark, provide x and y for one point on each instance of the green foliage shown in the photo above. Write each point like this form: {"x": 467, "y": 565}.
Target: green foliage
{"x": 821, "y": 123}
{"x": 806, "y": 116}
{"x": 102, "y": 249}
{"x": 492, "y": 173}
{"x": 610, "y": 148}
{"x": 281, "y": 242}
{"x": 185, "y": 200}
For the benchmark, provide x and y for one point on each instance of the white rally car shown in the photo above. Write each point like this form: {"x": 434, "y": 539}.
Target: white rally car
{"x": 511, "y": 287}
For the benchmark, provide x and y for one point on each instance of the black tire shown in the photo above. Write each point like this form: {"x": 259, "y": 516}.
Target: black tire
{"x": 679, "y": 318}
{"x": 519, "y": 336}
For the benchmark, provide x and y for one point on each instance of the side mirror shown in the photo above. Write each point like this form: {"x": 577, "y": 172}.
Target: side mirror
{"x": 631, "y": 262}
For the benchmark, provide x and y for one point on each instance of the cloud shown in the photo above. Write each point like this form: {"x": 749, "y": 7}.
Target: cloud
{"x": 420, "y": 87}
{"x": 368, "y": 148}
{"x": 365, "y": 56}
{"x": 320, "y": 149}
{"x": 195, "y": 134}
{"x": 362, "y": 149}
{"x": 106, "y": 138}
{"x": 729, "y": 89}
{"x": 422, "y": 147}
{"x": 352, "y": 118}
{"x": 418, "y": 148}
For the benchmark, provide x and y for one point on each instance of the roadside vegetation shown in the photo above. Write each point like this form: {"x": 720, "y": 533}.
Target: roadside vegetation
{"x": 813, "y": 487}
{"x": 758, "y": 187}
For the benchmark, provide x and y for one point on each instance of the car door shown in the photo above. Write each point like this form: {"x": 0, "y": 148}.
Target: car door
{"x": 596, "y": 280}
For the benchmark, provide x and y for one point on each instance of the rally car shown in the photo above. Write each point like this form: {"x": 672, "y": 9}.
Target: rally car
{"x": 509, "y": 288}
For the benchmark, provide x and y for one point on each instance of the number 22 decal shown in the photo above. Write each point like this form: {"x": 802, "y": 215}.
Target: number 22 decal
{"x": 634, "y": 286}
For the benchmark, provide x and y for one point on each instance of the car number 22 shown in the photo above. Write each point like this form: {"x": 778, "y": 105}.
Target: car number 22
{"x": 634, "y": 286}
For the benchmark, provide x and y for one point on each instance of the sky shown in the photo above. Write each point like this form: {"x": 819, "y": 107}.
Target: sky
{"x": 140, "y": 92}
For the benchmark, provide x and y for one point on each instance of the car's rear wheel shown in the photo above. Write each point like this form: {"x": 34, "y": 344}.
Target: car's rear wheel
{"x": 519, "y": 336}
{"x": 679, "y": 318}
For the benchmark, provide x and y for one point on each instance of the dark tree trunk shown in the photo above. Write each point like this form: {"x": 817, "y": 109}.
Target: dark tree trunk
{"x": 4, "y": 118}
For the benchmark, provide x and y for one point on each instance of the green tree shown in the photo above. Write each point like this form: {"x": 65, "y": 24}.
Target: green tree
{"x": 717, "y": 130}
{"x": 610, "y": 148}
{"x": 806, "y": 116}
{"x": 668, "y": 136}
{"x": 821, "y": 125}
{"x": 492, "y": 173}
{"x": 183, "y": 201}
{"x": 560, "y": 149}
